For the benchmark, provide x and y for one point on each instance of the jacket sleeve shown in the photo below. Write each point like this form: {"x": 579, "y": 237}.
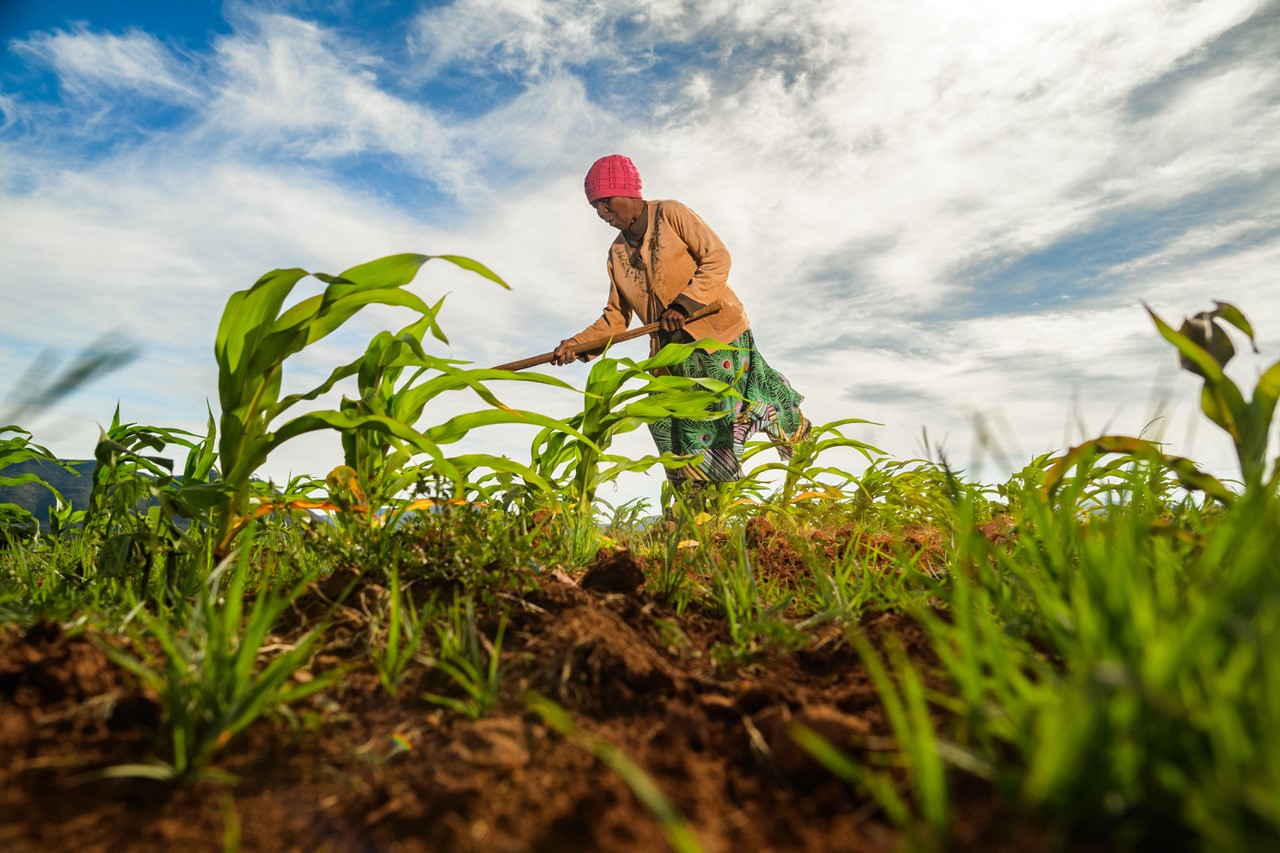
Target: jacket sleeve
{"x": 614, "y": 320}
{"x": 707, "y": 251}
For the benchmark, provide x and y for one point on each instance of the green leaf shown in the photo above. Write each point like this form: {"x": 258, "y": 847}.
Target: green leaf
{"x": 475, "y": 267}
{"x": 457, "y": 427}
{"x": 245, "y": 318}
{"x": 23, "y": 479}
{"x": 391, "y": 271}
{"x": 1265, "y": 394}
{"x": 346, "y": 307}
{"x": 1235, "y": 317}
{"x": 1211, "y": 405}
{"x": 472, "y": 461}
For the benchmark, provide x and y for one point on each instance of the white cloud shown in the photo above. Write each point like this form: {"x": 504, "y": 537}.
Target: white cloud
{"x": 291, "y": 86}
{"x": 960, "y": 134}
{"x": 530, "y": 38}
{"x": 97, "y": 64}
{"x": 529, "y": 133}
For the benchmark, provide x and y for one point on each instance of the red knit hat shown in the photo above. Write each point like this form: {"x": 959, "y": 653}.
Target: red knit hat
{"x": 611, "y": 176}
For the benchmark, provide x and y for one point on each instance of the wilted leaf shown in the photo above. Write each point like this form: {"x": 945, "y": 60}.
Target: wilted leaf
{"x": 1202, "y": 331}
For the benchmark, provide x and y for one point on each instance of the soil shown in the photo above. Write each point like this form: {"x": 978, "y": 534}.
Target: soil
{"x": 356, "y": 769}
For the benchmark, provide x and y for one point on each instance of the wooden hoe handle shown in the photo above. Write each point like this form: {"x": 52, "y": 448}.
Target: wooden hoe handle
{"x": 598, "y": 345}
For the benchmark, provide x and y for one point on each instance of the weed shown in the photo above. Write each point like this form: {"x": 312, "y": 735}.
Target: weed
{"x": 395, "y": 636}
{"x": 755, "y": 622}
{"x": 470, "y": 660}
{"x": 208, "y": 676}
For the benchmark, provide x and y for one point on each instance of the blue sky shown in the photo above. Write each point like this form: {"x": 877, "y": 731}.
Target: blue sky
{"x": 938, "y": 212}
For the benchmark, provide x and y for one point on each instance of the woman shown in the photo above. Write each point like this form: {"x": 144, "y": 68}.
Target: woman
{"x": 665, "y": 264}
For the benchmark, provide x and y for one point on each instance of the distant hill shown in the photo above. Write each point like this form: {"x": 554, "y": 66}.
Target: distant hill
{"x": 74, "y": 486}
{"x": 38, "y": 500}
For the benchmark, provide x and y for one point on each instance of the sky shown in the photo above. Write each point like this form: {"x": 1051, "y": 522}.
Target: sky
{"x": 944, "y": 218}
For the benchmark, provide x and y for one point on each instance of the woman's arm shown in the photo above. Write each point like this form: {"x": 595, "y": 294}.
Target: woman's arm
{"x": 707, "y": 250}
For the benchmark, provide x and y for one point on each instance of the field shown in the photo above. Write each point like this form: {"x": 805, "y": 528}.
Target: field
{"x": 432, "y": 652}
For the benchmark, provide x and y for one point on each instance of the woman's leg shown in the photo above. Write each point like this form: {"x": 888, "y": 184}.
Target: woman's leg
{"x": 769, "y": 403}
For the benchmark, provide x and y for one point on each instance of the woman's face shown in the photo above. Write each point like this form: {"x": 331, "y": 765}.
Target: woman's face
{"x": 618, "y": 211}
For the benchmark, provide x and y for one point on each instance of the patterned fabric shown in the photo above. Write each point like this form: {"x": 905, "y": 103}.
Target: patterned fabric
{"x": 770, "y": 404}
{"x": 612, "y": 176}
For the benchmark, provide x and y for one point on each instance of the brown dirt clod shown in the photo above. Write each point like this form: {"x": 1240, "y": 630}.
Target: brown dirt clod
{"x": 614, "y": 570}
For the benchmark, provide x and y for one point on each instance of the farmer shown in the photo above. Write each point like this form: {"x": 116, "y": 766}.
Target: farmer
{"x": 664, "y": 265}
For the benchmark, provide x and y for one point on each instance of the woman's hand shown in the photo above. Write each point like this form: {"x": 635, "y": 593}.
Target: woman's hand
{"x": 672, "y": 320}
{"x": 565, "y": 353}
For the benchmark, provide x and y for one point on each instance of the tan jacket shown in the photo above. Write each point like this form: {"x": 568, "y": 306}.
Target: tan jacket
{"x": 679, "y": 261}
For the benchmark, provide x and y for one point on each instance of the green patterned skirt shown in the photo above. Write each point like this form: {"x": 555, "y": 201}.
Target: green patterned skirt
{"x": 769, "y": 404}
